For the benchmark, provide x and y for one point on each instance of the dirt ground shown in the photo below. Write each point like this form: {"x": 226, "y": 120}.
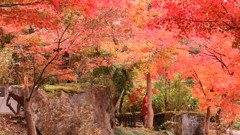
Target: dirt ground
{"x": 16, "y": 125}
{"x": 12, "y": 125}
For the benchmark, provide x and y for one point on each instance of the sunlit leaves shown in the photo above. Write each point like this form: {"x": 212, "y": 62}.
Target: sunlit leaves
{"x": 214, "y": 69}
{"x": 199, "y": 18}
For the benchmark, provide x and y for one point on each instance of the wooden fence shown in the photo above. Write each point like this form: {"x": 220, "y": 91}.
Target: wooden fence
{"x": 130, "y": 120}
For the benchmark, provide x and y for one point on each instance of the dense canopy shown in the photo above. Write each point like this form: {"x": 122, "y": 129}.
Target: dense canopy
{"x": 83, "y": 40}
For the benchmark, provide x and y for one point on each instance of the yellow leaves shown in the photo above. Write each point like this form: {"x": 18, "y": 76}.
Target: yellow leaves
{"x": 144, "y": 49}
{"x": 141, "y": 12}
{"x": 6, "y": 62}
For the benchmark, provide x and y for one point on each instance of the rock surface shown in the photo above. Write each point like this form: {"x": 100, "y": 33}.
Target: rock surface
{"x": 180, "y": 123}
{"x": 192, "y": 124}
{"x": 233, "y": 132}
{"x": 86, "y": 113}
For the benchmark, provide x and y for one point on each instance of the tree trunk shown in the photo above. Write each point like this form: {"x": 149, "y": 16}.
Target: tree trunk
{"x": 165, "y": 99}
{"x": 218, "y": 122}
{"x": 149, "y": 108}
{"x": 28, "y": 113}
{"x": 115, "y": 100}
{"x": 121, "y": 101}
{"x": 115, "y": 97}
{"x": 207, "y": 120}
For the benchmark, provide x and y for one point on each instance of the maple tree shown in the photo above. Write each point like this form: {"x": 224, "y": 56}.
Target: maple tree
{"x": 121, "y": 45}
{"x": 146, "y": 53}
{"x": 40, "y": 51}
{"x": 115, "y": 34}
{"x": 212, "y": 65}
{"x": 38, "y": 56}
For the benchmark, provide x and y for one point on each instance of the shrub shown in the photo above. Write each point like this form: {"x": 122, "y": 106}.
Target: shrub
{"x": 173, "y": 95}
{"x": 236, "y": 125}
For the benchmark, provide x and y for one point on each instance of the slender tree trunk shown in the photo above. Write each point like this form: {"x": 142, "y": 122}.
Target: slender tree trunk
{"x": 115, "y": 100}
{"x": 207, "y": 120}
{"x": 121, "y": 101}
{"x": 218, "y": 122}
{"x": 149, "y": 108}
{"x": 115, "y": 97}
{"x": 28, "y": 110}
{"x": 29, "y": 118}
{"x": 165, "y": 100}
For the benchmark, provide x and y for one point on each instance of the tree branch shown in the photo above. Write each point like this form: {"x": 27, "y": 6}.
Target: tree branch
{"x": 195, "y": 75}
{"x": 224, "y": 66}
{"x": 45, "y": 67}
{"x": 20, "y": 4}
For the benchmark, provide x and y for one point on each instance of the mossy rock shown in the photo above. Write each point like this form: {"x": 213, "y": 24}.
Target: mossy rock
{"x": 57, "y": 89}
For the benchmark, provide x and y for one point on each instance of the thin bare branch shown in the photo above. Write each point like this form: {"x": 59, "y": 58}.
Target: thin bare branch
{"x": 19, "y": 4}
{"x": 36, "y": 83}
{"x": 195, "y": 75}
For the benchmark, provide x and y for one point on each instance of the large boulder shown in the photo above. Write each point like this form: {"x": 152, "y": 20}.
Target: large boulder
{"x": 86, "y": 113}
{"x": 180, "y": 123}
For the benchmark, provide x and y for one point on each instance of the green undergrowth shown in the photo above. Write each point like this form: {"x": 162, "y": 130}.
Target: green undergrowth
{"x": 236, "y": 125}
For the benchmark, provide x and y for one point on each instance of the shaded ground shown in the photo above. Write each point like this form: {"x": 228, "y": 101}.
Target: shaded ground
{"x": 12, "y": 125}
{"x": 16, "y": 125}
{"x": 135, "y": 131}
